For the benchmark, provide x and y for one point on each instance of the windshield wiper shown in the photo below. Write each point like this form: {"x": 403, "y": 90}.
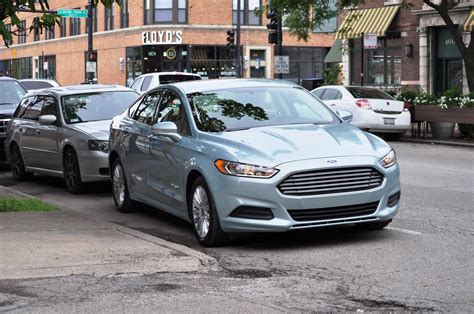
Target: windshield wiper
{"x": 7, "y": 103}
{"x": 236, "y": 129}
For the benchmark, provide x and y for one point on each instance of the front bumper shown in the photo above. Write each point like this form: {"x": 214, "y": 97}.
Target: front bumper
{"x": 94, "y": 165}
{"x": 232, "y": 192}
{"x": 374, "y": 122}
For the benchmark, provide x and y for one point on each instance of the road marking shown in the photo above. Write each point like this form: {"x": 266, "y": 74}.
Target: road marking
{"x": 404, "y": 230}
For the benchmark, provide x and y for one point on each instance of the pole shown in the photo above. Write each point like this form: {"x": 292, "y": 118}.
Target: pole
{"x": 280, "y": 41}
{"x": 90, "y": 47}
{"x": 239, "y": 57}
{"x": 362, "y": 61}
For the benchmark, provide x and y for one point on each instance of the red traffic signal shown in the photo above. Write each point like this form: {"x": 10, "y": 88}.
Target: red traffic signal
{"x": 92, "y": 56}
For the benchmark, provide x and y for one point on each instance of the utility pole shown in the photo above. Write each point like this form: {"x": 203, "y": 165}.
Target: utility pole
{"x": 239, "y": 57}
{"x": 90, "y": 46}
{"x": 280, "y": 41}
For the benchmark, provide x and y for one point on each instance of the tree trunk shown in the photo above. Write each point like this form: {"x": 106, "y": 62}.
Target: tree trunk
{"x": 469, "y": 64}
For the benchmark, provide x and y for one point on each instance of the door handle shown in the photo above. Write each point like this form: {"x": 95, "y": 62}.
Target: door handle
{"x": 21, "y": 130}
{"x": 38, "y": 132}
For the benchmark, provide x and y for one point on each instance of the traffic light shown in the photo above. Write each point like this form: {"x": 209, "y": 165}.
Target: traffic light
{"x": 92, "y": 56}
{"x": 274, "y": 36}
{"x": 230, "y": 40}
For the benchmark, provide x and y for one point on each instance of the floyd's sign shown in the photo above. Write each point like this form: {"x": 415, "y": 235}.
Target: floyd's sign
{"x": 162, "y": 37}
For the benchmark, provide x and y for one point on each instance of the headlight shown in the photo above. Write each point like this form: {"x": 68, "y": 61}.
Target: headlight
{"x": 102, "y": 146}
{"x": 244, "y": 170}
{"x": 389, "y": 160}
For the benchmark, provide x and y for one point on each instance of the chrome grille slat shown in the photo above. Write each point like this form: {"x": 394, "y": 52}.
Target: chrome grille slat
{"x": 330, "y": 181}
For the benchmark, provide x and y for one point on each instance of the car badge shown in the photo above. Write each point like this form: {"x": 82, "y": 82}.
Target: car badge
{"x": 332, "y": 161}
{"x": 388, "y": 104}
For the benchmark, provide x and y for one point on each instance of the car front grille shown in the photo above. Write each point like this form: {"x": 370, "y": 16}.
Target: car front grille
{"x": 333, "y": 212}
{"x": 3, "y": 126}
{"x": 331, "y": 181}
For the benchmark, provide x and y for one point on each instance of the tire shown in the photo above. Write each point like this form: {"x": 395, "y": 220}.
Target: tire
{"x": 395, "y": 137}
{"x": 203, "y": 215}
{"x": 18, "y": 165}
{"x": 374, "y": 225}
{"x": 72, "y": 173}
{"x": 122, "y": 200}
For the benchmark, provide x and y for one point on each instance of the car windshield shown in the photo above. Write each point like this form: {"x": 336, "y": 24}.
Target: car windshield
{"x": 370, "y": 93}
{"x": 243, "y": 108}
{"x": 11, "y": 92}
{"x": 31, "y": 85}
{"x": 174, "y": 78}
{"x": 95, "y": 106}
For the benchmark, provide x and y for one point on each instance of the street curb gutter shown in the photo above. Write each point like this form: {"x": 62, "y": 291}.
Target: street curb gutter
{"x": 435, "y": 142}
{"x": 208, "y": 263}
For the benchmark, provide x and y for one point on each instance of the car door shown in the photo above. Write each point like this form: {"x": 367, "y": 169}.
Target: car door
{"x": 167, "y": 158}
{"x": 30, "y": 132}
{"x": 136, "y": 129}
{"x": 47, "y": 154}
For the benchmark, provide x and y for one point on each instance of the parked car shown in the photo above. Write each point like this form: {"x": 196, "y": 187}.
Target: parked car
{"x": 64, "y": 132}
{"x": 11, "y": 92}
{"x": 250, "y": 156}
{"x": 372, "y": 109}
{"x": 33, "y": 84}
{"x": 146, "y": 82}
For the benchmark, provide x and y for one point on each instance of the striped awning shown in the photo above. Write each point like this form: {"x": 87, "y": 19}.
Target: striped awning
{"x": 469, "y": 25}
{"x": 375, "y": 20}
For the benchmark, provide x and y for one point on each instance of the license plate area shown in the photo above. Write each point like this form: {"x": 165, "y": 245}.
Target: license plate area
{"x": 389, "y": 121}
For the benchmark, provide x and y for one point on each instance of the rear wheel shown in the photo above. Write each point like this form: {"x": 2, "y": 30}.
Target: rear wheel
{"x": 393, "y": 136}
{"x": 374, "y": 225}
{"x": 204, "y": 216}
{"x": 72, "y": 173}
{"x": 122, "y": 200}
{"x": 18, "y": 166}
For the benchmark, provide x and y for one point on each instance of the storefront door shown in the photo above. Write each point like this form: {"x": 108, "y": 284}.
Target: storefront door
{"x": 448, "y": 63}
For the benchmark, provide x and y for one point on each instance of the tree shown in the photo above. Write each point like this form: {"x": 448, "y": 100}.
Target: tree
{"x": 9, "y": 10}
{"x": 303, "y": 16}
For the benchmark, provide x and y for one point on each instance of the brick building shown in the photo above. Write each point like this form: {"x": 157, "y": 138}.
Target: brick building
{"x": 158, "y": 35}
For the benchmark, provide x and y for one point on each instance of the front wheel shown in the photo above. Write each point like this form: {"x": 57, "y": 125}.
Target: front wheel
{"x": 72, "y": 173}
{"x": 374, "y": 225}
{"x": 204, "y": 216}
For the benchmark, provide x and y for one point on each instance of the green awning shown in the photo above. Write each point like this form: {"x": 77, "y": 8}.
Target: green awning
{"x": 335, "y": 53}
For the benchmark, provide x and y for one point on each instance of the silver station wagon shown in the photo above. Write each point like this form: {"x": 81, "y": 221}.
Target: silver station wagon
{"x": 64, "y": 132}
{"x": 250, "y": 156}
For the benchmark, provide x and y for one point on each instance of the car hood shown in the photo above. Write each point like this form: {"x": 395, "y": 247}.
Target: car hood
{"x": 7, "y": 109}
{"x": 272, "y": 146}
{"x": 97, "y": 129}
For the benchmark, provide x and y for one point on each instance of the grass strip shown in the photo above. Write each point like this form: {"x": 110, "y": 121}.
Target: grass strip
{"x": 13, "y": 204}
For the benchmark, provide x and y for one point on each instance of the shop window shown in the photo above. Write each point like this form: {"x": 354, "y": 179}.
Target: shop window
{"x": 166, "y": 11}
{"x": 124, "y": 14}
{"x": 47, "y": 67}
{"x": 134, "y": 64}
{"x": 305, "y": 63}
{"x": 22, "y": 32}
{"x": 109, "y": 18}
{"x": 247, "y": 12}
{"x": 74, "y": 26}
{"x": 94, "y": 19}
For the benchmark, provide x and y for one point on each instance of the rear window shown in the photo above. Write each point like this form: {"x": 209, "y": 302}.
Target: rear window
{"x": 172, "y": 78}
{"x": 11, "y": 92}
{"x": 371, "y": 93}
{"x": 32, "y": 85}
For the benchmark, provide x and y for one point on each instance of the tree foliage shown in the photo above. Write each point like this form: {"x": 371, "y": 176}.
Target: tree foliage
{"x": 10, "y": 10}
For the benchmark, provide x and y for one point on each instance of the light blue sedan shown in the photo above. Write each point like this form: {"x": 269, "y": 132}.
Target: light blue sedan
{"x": 250, "y": 156}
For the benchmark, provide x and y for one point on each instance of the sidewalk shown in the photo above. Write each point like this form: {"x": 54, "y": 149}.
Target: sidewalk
{"x": 59, "y": 243}
{"x": 456, "y": 142}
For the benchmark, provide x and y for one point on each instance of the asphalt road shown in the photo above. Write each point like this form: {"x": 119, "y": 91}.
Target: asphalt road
{"x": 423, "y": 261}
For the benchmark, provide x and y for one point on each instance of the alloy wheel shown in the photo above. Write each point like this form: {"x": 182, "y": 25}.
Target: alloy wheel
{"x": 17, "y": 163}
{"x": 118, "y": 183}
{"x": 201, "y": 211}
{"x": 71, "y": 171}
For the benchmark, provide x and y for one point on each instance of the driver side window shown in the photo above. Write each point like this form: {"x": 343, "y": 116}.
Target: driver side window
{"x": 145, "y": 110}
{"x": 172, "y": 110}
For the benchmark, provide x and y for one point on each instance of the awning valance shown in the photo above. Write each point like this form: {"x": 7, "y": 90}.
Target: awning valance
{"x": 375, "y": 20}
{"x": 469, "y": 25}
{"x": 335, "y": 53}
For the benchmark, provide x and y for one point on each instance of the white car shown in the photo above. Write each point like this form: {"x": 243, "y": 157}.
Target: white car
{"x": 372, "y": 110}
{"x": 34, "y": 84}
{"x": 148, "y": 81}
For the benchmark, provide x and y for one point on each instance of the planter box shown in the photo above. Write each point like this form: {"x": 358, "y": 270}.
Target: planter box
{"x": 436, "y": 114}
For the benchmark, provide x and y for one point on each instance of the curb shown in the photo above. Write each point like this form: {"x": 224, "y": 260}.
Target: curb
{"x": 435, "y": 142}
{"x": 208, "y": 263}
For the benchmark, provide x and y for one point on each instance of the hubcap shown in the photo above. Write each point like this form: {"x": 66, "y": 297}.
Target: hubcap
{"x": 201, "y": 212}
{"x": 118, "y": 183}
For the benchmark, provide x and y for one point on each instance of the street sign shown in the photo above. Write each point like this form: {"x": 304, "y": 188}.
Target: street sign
{"x": 91, "y": 67}
{"x": 370, "y": 41}
{"x": 73, "y": 13}
{"x": 282, "y": 65}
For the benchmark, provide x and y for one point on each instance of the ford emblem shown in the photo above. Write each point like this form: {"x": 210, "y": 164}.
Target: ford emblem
{"x": 332, "y": 161}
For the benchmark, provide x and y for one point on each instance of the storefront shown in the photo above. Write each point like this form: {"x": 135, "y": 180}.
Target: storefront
{"x": 447, "y": 63}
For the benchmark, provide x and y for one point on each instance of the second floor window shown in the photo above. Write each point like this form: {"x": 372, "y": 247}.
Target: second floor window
{"x": 22, "y": 33}
{"x": 74, "y": 26}
{"x": 166, "y": 11}
{"x": 94, "y": 19}
{"x": 62, "y": 28}
{"x": 49, "y": 33}
{"x": 124, "y": 14}
{"x": 247, "y": 12}
{"x": 109, "y": 18}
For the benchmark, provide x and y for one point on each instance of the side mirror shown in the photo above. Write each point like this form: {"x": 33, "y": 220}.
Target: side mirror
{"x": 47, "y": 119}
{"x": 345, "y": 115}
{"x": 166, "y": 129}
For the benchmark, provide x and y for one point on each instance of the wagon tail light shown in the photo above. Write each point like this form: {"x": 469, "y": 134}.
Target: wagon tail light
{"x": 363, "y": 104}
{"x": 405, "y": 106}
